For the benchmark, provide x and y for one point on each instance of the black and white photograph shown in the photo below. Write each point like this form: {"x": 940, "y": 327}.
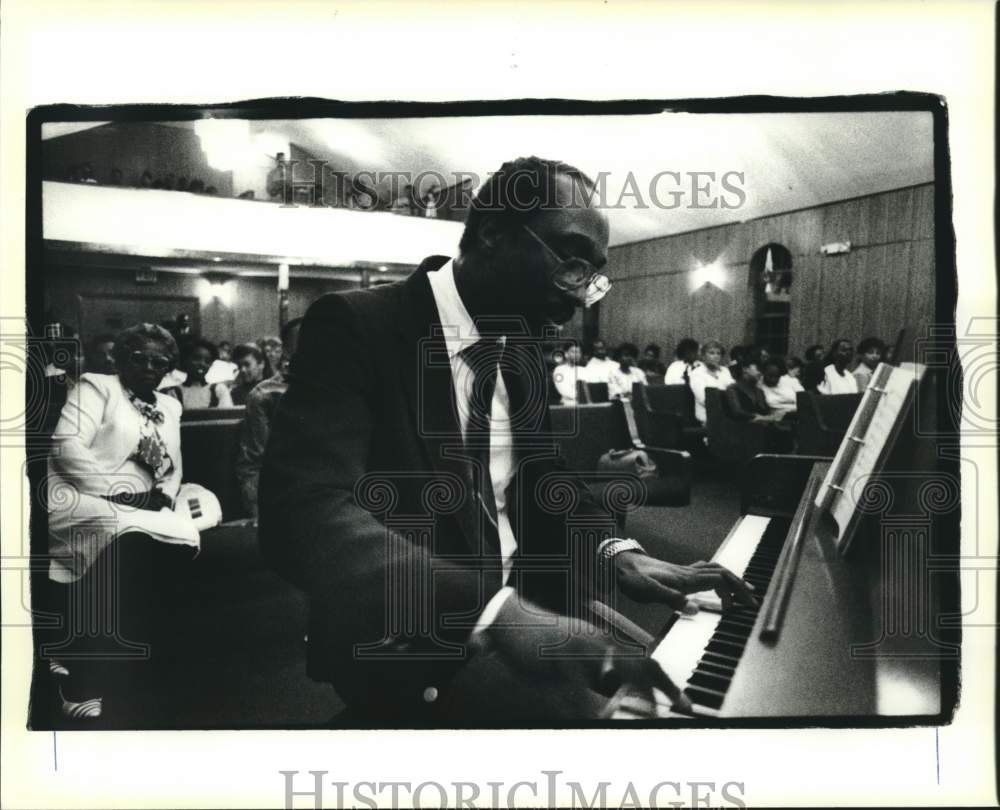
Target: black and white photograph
{"x": 536, "y": 417}
{"x": 589, "y": 404}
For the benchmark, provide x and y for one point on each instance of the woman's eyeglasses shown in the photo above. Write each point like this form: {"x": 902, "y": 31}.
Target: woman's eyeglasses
{"x": 574, "y": 273}
{"x": 157, "y": 362}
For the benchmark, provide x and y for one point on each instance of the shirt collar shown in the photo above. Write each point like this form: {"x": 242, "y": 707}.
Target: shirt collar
{"x": 459, "y": 330}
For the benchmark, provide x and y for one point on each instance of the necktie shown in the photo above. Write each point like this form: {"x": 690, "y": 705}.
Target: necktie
{"x": 483, "y": 359}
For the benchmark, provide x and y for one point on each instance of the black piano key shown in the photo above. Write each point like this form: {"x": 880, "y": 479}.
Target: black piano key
{"x": 711, "y": 678}
{"x": 732, "y": 638}
{"x": 705, "y": 697}
{"x": 714, "y": 669}
{"x": 725, "y": 648}
{"x": 709, "y": 681}
{"x": 719, "y": 660}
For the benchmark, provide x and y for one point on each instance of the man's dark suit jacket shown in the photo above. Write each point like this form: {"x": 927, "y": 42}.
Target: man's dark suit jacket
{"x": 366, "y": 500}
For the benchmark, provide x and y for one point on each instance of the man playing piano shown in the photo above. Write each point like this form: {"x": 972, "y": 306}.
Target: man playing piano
{"x": 412, "y": 489}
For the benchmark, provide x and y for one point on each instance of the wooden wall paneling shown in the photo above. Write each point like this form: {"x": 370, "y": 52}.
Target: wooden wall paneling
{"x": 900, "y": 220}
{"x": 806, "y": 296}
{"x": 923, "y": 212}
{"x": 896, "y": 290}
{"x": 866, "y": 291}
{"x": 878, "y": 220}
{"x": 873, "y": 268}
{"x": 923, "y": 282}
{"x": 804, "y": 233}
{"x": 861, "y": 231}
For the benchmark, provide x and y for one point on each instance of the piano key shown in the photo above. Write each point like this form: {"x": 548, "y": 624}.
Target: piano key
{"x": 705, "y": 697}
{"x": 735, "y": 554}
{"x": 710, "y": 681}
{"x": 701, "y": 653}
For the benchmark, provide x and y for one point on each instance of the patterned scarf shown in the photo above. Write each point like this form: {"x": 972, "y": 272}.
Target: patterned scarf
{"x": 151, "y": 451}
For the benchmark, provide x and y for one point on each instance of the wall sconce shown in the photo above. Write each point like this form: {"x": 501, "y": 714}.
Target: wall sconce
{"x": 215, "y": 287}
{"x": 714, "y": 274}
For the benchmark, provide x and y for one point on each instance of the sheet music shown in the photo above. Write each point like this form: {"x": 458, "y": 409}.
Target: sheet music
{"x": 843, "y": 487}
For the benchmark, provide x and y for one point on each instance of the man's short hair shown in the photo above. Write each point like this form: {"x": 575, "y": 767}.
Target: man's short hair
{"x": 515, "y": 192}
{"x": 870, "y": 343}
{"x": 685, "y": 347}
{"x": 628, "y": 348}
{"x": 712, "y": 344}
{"x": 654, "y": 348}
{"x": 246, "y": 349}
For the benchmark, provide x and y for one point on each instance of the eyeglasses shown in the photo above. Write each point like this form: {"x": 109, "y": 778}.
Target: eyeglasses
{"x": 157, "y": 362}
{"x": 574, "y": 273}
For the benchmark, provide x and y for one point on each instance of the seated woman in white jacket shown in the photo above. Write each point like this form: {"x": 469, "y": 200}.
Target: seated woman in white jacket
{"x": 710, "y": 373}
{"x": 114, "y": 471}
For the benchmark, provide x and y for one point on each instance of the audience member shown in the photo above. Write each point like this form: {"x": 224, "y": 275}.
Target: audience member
{"x": 196, "y": 186}
{"x": 870, "y": 352}
{"x": 794, "y": 369}
{"x": 114, "y": 472}
{"x": 117, "y": 179}
{"x": 565, "y": 374}
{"x": 223, "y": 369}
{"x": 710, "y": 373}
{"x": 196, "y": 392}
{"x": 779, "y": 392}
{"x": 250, "y": 360}
{"x": 836, "y": 378}
{"x": 813, "y": 354}
{"x": 686, "y": 358}
{"x": 600, "y": 367}
{"x": 146, "y": 179}
{"x": 736, "y": 357}
{"x": 271, "y": 346}
{"x": 812, "y": 376}
{"x": 430, "y": 202}
{"x": 261, "y": 404}
{"x": 100, "y": 357}
{"x": 745, "y": 400}
{"x": 651, "y": 362}
{"x": 626, "y": 373}
{"x": 276, "y": 178}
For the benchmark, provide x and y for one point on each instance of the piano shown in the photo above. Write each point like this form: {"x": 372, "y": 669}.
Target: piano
{"x": 841, "y": 552}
